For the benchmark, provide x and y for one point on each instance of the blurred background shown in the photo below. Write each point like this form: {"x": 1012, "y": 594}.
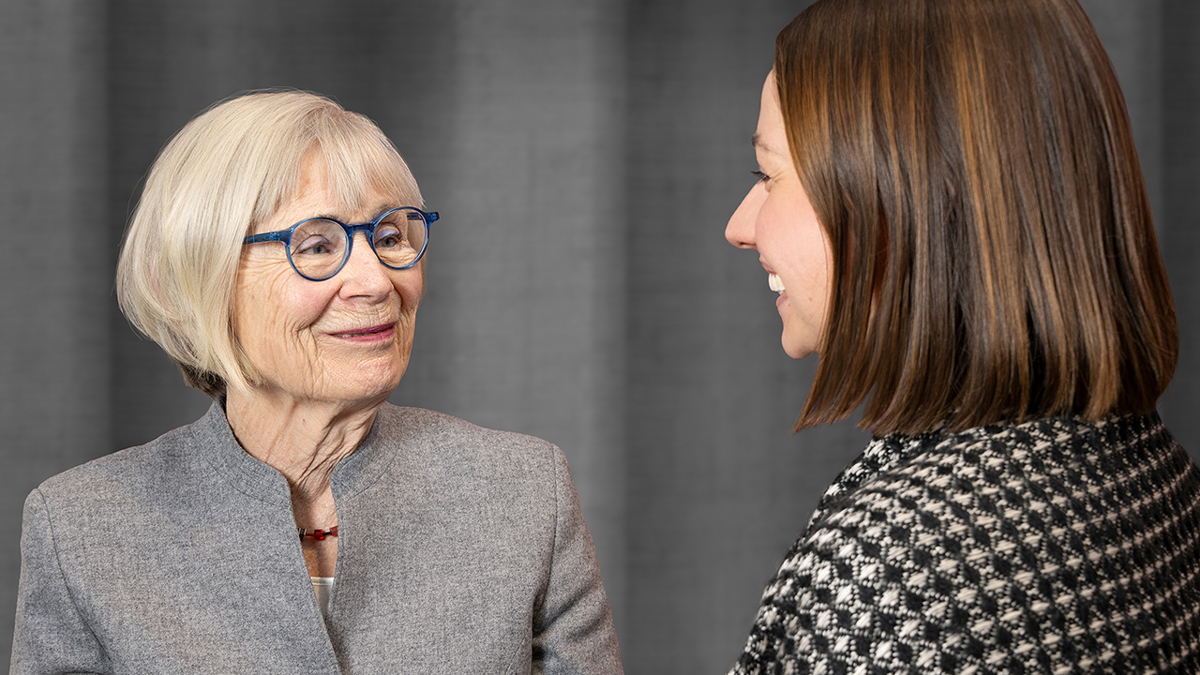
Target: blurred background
{"x": 584, "y": 156}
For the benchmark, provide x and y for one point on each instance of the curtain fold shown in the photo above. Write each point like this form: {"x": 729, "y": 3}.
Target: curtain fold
{"x": 1178, "y": 212}
{"x": 585, "y": 157}
{"x": 55, "y": 370}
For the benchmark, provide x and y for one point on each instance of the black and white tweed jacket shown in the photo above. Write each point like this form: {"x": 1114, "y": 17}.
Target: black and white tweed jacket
{"x": 1054, "y": 546}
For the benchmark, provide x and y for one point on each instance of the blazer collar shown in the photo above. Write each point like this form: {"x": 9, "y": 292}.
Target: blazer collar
{"x": 356, "y": 472}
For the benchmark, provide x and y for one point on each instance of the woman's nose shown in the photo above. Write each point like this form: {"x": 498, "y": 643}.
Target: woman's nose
{"x": 364, "y": 274}
{"x": 740, "y": 230}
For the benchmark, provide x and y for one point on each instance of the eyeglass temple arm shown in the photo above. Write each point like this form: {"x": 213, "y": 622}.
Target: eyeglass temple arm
{"x": 267, "y": 236}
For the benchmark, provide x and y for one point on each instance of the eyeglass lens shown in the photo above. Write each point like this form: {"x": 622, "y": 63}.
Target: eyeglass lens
{"x": 319, "y": 246}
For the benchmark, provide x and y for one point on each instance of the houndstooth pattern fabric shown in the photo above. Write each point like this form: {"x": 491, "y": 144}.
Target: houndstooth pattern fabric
{"x": 1055, "y": 546}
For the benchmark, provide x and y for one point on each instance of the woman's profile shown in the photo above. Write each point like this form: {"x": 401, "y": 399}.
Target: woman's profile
{"x": 951, "y": 210}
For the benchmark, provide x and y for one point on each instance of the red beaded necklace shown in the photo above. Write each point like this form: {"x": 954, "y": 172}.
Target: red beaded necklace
{"x": 319, "y": 535}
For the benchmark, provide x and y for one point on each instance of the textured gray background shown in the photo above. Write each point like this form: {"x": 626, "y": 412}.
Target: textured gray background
{"x": 585, "y": 157}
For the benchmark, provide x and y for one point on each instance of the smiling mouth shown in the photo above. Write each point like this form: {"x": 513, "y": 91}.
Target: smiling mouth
{"x": 373, "y": 331}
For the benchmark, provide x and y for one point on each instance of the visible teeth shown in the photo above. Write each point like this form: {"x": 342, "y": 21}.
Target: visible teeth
{"x": 775, "y": 283}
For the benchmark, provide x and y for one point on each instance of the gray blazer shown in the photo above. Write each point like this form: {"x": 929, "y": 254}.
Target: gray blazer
{"x": 460, "y": 550}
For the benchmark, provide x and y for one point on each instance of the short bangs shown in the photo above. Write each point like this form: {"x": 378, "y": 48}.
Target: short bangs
{"x": 228, "y": 169}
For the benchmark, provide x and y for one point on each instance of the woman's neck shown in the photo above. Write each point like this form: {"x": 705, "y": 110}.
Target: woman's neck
{"x": 304, "y": 440}
{"x": 301, "y": 439}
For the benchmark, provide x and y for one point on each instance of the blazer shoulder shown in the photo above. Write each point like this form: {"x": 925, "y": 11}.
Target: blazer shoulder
{"x": 452, "y": 434}
{"x": 130, "y": 467}
{"x": 447, "y": 449}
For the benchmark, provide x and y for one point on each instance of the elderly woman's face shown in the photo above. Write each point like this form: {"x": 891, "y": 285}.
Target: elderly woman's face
{"x": 345, "y": 339}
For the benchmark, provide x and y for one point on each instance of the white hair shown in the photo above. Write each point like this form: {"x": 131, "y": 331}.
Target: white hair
{"x": 228, "y": 169}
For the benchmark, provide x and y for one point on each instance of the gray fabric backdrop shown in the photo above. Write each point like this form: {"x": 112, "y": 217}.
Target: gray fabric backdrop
{"x": 585, "y": 157}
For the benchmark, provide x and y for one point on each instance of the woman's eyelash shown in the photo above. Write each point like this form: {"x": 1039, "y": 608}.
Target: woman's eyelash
{"x": 762, "y": 177}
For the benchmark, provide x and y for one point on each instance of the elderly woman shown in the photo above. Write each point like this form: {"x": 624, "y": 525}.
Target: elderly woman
{"x": 951, "y": 211}
{"x": 303, "y": 525}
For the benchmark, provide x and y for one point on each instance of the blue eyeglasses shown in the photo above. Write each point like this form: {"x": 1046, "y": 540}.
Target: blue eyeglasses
{"x": 318, "y": 248}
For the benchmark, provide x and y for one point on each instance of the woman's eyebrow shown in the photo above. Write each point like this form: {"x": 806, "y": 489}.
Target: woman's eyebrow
{"x": 759, "y": 144}
{"x": 383, "y": 206}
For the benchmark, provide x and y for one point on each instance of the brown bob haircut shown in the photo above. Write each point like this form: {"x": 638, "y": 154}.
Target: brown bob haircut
{"x": 994, "y": 257}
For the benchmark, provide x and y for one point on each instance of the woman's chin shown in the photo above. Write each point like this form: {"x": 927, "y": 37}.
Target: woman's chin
{"x": 366, "y": 383}
{"x": 380, "y": 385}
{"x": 796, "y": 353}
{"x": 794, "y": 346}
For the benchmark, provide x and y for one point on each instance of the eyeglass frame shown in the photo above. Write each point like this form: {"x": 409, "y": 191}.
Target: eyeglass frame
{"x": 285, "y": 238}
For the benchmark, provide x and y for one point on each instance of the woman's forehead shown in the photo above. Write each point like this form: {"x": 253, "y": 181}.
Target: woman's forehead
{"x": 351, "y": 184}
